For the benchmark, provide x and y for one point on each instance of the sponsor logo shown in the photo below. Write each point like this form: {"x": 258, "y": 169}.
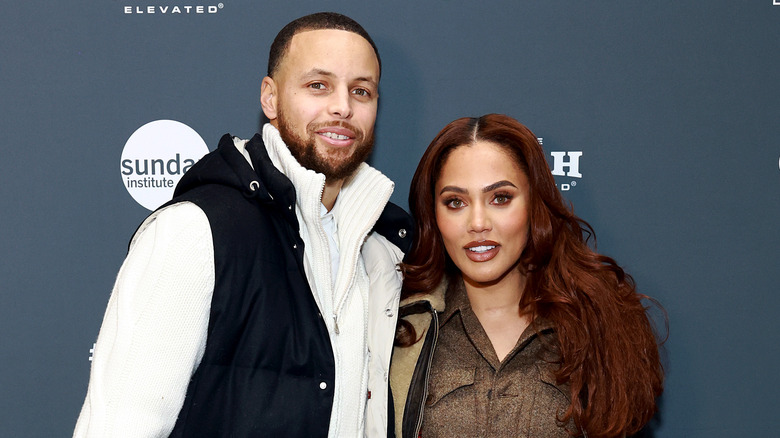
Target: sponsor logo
{"x": 92, "y": 352}
{"x": 172, "y": 9}
{"x": 155, "y": 157}
{"x": 565, "y": 164}
{"x": 776, "y": 2}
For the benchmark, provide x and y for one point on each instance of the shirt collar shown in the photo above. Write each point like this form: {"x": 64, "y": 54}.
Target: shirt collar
{"x": 457, "y": 300}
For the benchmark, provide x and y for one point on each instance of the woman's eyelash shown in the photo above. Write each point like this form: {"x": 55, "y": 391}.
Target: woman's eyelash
{"x": 449, "y": 201}
{"x": 505, "y": 196}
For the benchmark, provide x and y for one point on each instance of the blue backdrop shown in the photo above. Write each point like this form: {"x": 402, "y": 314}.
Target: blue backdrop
{"x": 675, "y": 107}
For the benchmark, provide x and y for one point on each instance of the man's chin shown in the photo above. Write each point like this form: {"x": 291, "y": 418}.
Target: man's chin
{"x": 332, "y": 160}
{"x": 333, "y": 154}
{"x": 340, "y": 171}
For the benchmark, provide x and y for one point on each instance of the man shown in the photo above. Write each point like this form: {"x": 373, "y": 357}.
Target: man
{"x": 260, "y": 301}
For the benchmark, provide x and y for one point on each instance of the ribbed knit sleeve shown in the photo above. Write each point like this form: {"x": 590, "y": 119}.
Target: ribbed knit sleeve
{"x": 154, "y": 330}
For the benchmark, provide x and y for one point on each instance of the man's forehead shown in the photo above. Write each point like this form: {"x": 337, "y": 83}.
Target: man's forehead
{"x": 310, "y": 46}
{"x": 323, "y": 34}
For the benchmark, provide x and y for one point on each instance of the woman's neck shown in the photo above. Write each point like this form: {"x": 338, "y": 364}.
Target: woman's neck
{"x": 497, "y": 306}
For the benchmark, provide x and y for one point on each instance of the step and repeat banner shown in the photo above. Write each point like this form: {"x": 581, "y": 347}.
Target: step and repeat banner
{"x": 661, "y": 120}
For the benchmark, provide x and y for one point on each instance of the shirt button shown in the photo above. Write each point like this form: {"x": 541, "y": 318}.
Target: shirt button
{"x": 323, "y": 385}
{"x": 295, "y": 246}
{"x": 402, "y": 233}
{"x": 289, "y": 208}
{"x": 389, "y": 313}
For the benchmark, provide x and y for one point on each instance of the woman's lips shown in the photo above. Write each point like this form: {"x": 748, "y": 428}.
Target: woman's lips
{"x": 481, "y": 251}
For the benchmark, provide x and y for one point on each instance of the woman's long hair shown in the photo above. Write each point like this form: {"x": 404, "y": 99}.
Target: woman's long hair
{"x": 608, "y": 350}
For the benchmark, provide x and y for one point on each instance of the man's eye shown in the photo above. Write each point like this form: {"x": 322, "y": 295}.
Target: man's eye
{"x": 361, "y": 92}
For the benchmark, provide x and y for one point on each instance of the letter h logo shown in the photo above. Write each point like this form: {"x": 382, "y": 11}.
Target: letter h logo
{"x": 573, "y": 164}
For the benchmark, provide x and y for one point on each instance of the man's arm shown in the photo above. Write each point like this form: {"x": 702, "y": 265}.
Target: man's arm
{"x": 154, "y": 330}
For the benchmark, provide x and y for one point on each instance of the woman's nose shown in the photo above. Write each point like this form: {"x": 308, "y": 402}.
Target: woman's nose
{"x": 479, "y": 220}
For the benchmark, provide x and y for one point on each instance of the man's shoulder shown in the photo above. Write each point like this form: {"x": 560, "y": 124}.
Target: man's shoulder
{"x": 173, "y": 219}
{"x": 397, "y": 226}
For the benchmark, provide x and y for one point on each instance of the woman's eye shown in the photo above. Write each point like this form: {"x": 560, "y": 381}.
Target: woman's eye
{"x": 454, "y": 203}
{"x": 501, "y": 199}
{"x": 317, "y": 86}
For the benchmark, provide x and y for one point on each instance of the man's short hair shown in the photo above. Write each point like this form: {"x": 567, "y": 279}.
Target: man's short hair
{"x": 316, "y": 21}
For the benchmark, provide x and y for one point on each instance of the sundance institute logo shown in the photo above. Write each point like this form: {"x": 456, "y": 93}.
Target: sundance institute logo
{"x": 155, "y": 157}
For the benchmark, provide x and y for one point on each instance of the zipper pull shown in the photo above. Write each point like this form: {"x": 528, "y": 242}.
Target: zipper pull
{"x": 335, "y": 324}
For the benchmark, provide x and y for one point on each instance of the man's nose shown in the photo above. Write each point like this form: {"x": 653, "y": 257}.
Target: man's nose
{"x": 340, "y": 104}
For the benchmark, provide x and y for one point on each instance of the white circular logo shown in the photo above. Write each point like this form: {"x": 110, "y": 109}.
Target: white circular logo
{"x": 155, "y": 157}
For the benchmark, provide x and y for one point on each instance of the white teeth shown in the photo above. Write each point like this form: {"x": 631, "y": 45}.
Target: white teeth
{"x": 335, "y": 136}
{"x": 482, "y": 248}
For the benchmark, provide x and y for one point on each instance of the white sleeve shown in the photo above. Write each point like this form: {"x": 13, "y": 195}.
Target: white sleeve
{"x": 154, "y": 330}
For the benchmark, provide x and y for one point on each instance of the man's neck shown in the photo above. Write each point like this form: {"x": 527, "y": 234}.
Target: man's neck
{"x": 331, "y": 192}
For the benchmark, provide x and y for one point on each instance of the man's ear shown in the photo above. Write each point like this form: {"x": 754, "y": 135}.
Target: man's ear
{"x": 268, "y": 98}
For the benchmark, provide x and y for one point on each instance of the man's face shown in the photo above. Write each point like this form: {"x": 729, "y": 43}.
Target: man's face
{"x": 326, "y": 90}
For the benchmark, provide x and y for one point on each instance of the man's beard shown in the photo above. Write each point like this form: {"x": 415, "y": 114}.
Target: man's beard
{"x": 339, "y": 163}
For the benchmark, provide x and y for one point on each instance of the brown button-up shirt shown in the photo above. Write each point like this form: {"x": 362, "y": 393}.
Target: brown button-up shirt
{"x": 472, "y": 394}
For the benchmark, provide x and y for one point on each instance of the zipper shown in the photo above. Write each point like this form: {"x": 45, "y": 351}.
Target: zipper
{"x": 435, "y": 325}
{"x": 323, "y": 266}
{"x": 338, "y": 306}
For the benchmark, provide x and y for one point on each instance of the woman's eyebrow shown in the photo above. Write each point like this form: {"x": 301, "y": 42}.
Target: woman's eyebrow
{"x": 453, "y": 189}
{"x": 495, "y": 185}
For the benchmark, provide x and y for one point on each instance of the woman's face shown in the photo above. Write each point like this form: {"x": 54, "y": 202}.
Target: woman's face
{"x": 482, "y": 199}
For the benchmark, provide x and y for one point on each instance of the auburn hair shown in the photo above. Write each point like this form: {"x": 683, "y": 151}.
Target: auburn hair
{"x": 607, "y": 345}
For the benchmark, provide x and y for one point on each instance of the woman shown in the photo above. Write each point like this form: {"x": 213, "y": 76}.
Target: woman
{"x": 511, "y": 324}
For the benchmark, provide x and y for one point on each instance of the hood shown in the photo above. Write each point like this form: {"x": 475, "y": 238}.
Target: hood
{"x": 227, "y": 166}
